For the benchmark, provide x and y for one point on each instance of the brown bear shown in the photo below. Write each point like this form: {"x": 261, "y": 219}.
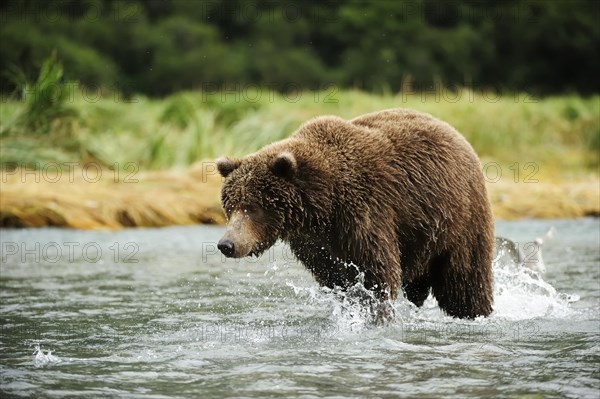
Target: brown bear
{"x": 397, "y": 197}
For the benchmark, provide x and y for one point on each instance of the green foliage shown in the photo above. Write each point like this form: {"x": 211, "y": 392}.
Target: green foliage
{"x": 45, "y": 101}
{"x": 179, "y": 110}
{"x": 27, "y": 44}
{"x": 161, "y": 47}
{"x": 559, "y": 134}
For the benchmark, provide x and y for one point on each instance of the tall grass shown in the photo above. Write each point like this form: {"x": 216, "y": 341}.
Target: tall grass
{"x": 560, "y": 134}
{"x": 45, "y": 101}
{"x": 36, "y": 121}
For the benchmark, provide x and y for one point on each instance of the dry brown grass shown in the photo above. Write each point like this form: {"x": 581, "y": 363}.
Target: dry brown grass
{"x": 192, "y": 196}
{"x": 546, "y": 200}
{"x": 154, "y": 199}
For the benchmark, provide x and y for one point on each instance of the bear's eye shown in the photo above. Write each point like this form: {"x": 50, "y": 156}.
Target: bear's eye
{"x": 250, "y": 208}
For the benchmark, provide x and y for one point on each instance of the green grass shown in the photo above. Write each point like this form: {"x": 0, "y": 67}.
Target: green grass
{"x": 560, "y": 134}
{"x": 44, "y": 101}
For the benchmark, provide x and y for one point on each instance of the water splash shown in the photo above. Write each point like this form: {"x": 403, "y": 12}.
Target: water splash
{"x": 347, "y": 312}
{"x": 42, "y": 359}
{"x": 519, "y": 294}
{"x": 351, "y": 310}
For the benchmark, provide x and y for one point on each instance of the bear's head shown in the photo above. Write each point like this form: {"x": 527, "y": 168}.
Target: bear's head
{"x": 262, "y": 200}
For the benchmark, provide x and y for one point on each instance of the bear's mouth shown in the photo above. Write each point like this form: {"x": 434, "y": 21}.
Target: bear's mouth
{"x": 257, "y": 252}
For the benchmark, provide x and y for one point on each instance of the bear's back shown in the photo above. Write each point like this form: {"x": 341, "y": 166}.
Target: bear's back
{"x": 406, "y": 127}
{"x": 399, "y": 138}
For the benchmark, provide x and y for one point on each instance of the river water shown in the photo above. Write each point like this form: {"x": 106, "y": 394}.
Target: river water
{"x": 159, "y": 313}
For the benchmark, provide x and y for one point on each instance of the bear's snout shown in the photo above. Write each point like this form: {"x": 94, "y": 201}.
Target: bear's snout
{"x": 240, "y": 238}
{"x": 226, "y": 247}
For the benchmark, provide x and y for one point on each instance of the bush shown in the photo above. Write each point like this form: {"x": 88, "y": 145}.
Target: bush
{"x": 46, "y": 100}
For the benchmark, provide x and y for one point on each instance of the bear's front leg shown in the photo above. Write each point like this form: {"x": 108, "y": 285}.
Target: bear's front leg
{"x": 326, "y": 267}
{"x": 382, "y": 279}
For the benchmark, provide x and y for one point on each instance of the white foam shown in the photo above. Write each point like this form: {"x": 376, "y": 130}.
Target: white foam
{"x": 519, "y": 294}
{"x": 345, "y": 310}
{"x": 42, "y": 359}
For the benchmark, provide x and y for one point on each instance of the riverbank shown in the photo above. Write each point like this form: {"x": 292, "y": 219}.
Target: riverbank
{"x": 96, "y": 198}
{"x": 113, "y": 164}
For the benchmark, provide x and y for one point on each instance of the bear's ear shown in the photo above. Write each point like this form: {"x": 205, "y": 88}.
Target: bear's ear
{"x": 284, "y": 165}
{"x": 227, "y": 165}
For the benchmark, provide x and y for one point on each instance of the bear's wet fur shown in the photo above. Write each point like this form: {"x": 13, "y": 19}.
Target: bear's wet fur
{"x": 397, "y": 196}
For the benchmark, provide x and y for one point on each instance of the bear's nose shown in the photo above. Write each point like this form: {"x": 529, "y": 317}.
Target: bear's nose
{"x": 226, "y": 247}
